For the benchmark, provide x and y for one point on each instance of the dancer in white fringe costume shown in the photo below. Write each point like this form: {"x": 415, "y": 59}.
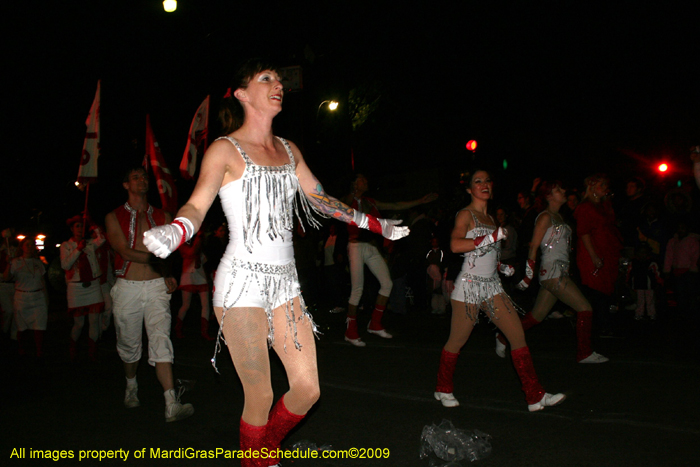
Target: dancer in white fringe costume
{"x": 553, "y": 237}
{"x": 256, "y": 298}
{"x": 478, "y": 287}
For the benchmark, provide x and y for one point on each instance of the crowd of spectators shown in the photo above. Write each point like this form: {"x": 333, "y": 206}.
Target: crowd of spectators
{"x": 654, "y": 276}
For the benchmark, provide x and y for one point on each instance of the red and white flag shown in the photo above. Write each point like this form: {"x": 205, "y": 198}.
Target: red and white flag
{"x": 164, "y": 179}
{"x": 87, "y": 172}
{"x": 198, "y": 135}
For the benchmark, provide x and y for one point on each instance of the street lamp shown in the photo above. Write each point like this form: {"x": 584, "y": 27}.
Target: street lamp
{"x": 332, "y": 105}
{"x": 169, "y": 5}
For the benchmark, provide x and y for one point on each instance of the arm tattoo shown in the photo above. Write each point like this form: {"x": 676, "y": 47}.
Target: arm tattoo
{"x": 329, "y": 205}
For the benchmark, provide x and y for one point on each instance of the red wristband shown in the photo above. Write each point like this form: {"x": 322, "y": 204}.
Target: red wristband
{"x": 184, "y": 232}
{"x": 374, "y": 225}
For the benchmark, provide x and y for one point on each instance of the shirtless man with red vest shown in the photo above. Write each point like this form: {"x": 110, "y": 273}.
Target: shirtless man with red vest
{"x": 142, "y": 295}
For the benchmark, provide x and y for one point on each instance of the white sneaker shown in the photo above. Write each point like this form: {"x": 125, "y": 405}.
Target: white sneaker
{"x": 447, "y": 399}
{"x": 500, "y": 347}
{"x": 131, "y": 398}
{"x": 595, "y": 357}
{"x": 548, "y": 400}
{"x": 176, "y": 411}
{"x": 380, "y": 333}
{"x": 356, "y": 342}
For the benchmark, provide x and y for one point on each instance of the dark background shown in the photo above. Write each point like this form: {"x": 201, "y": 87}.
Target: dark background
{"x": 561, "y": 90}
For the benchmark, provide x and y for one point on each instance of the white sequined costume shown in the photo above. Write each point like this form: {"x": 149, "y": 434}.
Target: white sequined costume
{"x": 555, "y": 248}
{"x": 257, "y": 269}
{"x": 478, "y": 282}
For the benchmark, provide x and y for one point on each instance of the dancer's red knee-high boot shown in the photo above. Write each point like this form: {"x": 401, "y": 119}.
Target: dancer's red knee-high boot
{"x": 280, "y": 422}
{"x": 376, "y": 323}
{"x": 522, "y": 360}
{"x": 528, "y": 321}
{"x": 448, "y": 362}
{"x": 253, "y": 438}
{"x": 204, "y": 328}
{"x": 178, "y": 328}
{"x": 584, "y": 321}
{"x": 351, "y": 331}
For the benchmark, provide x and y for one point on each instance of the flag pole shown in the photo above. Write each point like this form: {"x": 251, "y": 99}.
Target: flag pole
{"x": 85, "y": 211}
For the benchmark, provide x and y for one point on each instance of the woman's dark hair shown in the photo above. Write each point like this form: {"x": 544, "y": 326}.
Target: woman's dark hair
{"x": 471, "y": 176}
{"x": 545, "y": 188}
{"x": 231, "y": 112}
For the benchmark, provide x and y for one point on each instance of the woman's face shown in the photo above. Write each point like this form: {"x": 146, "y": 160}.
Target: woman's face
{"x": 77, "y": 230}
{"x": 28, "y": 248}
{"x": 601, "y": 188}
{"x": 557, "y": 196}
{"x": 264, "y": 91}
{"x": 501, "y": 216}
{"x": 481, "y": 186}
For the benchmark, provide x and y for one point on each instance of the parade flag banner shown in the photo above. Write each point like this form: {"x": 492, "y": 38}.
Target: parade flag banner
{"x": 87, "y": 172}
{"x": 199, "y": 130}
{"x": 164, "y": 179}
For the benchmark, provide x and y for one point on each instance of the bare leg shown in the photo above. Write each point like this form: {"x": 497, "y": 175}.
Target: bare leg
{"x": 164, "y": 373}
{"x": 204, "y": 299}
{"x": 300, "y": 365}
{"x": 461, "y": 326}
{"x": 508, "y": 322}
{"x": 245, "y": 331}
{"x": 186, "y": 302}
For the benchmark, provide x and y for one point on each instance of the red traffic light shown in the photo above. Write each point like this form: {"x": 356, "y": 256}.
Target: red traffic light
{"x": 663, "y": 167}
{"x": 471, "y": 145}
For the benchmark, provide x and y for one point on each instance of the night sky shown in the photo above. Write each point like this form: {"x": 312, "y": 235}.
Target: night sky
{"x": 561, "y": 90}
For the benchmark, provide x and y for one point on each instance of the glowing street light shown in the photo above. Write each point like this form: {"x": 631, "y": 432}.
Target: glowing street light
{"x": 20, "y": 237}
{"x": 332, "y": 105}
{"x": 170, "y": 5}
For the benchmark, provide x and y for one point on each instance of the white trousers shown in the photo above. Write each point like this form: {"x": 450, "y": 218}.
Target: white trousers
{"x": 359, "y": 254}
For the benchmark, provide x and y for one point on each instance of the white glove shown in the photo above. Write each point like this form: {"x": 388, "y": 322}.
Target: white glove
{"x": 529, "y": 274}
{"x": 164, "y": 239}
{"x": 486, "y": 240}
{"x": 506, "y": 269}
{"x": 388, "y": 228}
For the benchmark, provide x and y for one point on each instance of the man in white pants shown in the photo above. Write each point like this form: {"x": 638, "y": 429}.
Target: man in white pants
{"x": 142, "y": 295}
{"x": 362, "y": 252}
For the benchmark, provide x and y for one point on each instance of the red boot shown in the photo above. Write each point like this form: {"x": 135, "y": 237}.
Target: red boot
{"x": 528, "y": 321}
{"x": 351, "y": 334}
{"x": 252, "y": 439}
{"x": 445, "y": 386}
{"x": 178, "y": 328}
{"x": 376, "y": 323}
{"x": 205, "y": 330}
{"x": 522, "y": 360}
{"x": 584, "y": 354}
{"x": 280, "y": 422}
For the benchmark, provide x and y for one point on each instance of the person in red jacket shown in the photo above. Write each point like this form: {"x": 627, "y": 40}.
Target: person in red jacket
{"x": 598, "y": 248}
{"x": 142, "y": 295}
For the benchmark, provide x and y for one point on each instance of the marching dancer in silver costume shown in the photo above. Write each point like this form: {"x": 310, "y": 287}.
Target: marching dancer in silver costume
{"x": 553, "y": 237}
{"x": 257, "y": 298}
{"x": 478, "y": 287}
